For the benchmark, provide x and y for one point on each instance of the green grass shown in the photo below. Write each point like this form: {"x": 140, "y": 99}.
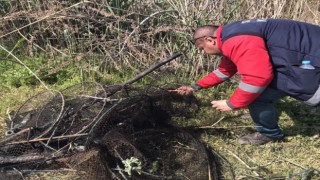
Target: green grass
{"x": 299, "y": 153}
{"x": 297, "y": 157}
{"x": 292, "y": 158}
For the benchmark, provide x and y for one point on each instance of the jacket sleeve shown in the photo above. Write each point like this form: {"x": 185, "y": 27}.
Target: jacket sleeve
{"x": 225, "y": 70}
{"x": 252, "y": 60}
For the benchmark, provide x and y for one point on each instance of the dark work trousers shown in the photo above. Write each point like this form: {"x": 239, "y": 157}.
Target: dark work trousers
{"x": 264, "y": 115}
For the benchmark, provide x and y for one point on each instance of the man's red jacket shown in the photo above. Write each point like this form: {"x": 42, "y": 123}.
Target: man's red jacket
{"x": 247, "y": 55}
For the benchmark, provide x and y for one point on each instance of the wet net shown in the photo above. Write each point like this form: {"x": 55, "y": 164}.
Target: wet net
{"x": 106, "y": 132}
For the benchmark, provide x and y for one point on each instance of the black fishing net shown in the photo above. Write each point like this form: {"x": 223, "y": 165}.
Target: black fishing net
{"x": 106, "y": 132}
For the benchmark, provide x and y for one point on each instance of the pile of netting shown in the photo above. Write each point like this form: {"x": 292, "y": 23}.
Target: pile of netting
{"x": 106, "y": 132}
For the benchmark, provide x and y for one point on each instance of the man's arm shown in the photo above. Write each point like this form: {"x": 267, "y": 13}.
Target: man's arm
{"x": 225, "y": 70}
{"x": 251, "y": 57}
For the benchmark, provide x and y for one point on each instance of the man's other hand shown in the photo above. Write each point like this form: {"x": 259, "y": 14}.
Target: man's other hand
{"x": 221, "y": 105}
{"x": 184, "y": 90}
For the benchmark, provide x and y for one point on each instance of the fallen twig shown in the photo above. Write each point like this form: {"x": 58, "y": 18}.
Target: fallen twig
{"x": 45, "y": 139}
{"x": 19, "y": 172}
{"x": 245, "y": 164}
{"x": 108, "y": 99}
{"x": 22, "y": 158}
{"x": 218, "y": 121}
{"x": 289, "y": 161}
{"x": 16, "y": 135}
{"x": 221, "y": 127}
{"x": 39, "y": 171}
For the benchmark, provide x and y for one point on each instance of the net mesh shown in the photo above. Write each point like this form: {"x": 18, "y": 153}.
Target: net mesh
{"x": 106, "y": 132}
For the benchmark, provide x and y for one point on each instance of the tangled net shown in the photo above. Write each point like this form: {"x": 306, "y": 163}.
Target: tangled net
{"x": 106, "y": 132}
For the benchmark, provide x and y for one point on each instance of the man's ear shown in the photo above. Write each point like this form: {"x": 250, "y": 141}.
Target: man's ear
{"x": 211, "y": 40}
{"x": 214, "y": 41}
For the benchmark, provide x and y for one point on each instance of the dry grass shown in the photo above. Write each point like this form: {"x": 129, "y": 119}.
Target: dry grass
{"x": 128, "y": 34}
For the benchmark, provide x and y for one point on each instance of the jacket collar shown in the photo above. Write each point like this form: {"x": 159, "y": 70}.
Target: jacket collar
{"x": 218, "y": 34}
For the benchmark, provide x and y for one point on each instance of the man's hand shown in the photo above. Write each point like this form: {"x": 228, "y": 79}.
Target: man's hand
{"x": 221, "y": 105}
{"x": 184, "y": 90}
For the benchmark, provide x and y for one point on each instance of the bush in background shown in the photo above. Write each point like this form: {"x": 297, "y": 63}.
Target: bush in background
{"x": 94, "y": 39}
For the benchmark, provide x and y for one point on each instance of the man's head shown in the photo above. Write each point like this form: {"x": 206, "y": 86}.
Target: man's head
{"x": 205, "y": 39}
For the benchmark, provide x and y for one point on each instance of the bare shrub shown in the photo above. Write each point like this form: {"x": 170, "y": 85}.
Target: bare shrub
{"x": 127, "y": 34}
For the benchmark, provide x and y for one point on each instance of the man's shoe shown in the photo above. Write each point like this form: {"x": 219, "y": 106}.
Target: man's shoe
{"x": 255, "y": 138}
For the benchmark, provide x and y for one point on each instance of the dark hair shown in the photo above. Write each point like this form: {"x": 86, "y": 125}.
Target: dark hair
{"x": 206, "y": 30}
